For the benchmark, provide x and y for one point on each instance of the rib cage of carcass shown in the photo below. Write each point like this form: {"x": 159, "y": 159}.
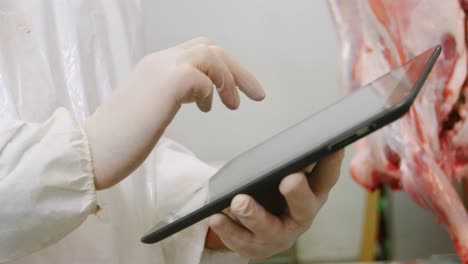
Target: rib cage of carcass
{"x": 426, "y": 150}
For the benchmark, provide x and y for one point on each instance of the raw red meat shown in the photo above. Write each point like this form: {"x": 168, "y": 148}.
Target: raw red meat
{"x": 424, "y": 150}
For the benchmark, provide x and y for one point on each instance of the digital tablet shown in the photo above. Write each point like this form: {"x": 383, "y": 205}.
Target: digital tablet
{"x": 259, "y": 170}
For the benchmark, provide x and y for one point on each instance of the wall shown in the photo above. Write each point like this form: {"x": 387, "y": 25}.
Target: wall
{"x": 415, "y": 231}
{"x": 291, "y": 47}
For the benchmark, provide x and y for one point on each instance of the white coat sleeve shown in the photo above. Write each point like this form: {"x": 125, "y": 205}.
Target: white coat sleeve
{"x": 46, "y": 183}
{"x": 180, "y": 174}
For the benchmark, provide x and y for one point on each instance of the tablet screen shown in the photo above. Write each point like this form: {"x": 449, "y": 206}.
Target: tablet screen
{"x": 294, "y": 142}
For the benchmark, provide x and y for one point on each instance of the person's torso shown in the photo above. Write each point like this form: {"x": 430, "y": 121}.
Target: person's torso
{"x": 71, "y": 54}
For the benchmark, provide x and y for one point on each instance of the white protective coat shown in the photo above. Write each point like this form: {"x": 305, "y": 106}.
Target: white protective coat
{"x": 58, "y": 61}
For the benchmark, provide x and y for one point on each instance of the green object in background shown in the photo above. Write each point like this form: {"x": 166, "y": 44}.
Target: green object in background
{"x": 383, "y": 240}
{"x": 383, "y": 204}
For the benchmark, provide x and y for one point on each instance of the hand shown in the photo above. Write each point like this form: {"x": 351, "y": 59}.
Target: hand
{"x": 124, "y": 130}
{"x": 255, "y": 233}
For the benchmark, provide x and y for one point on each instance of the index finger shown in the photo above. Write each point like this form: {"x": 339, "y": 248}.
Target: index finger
{"x": 246, "y": 82}
{"x": 196, "y": 42}
{"x": 302, "y": 203}
{"x": 326, "y": 173}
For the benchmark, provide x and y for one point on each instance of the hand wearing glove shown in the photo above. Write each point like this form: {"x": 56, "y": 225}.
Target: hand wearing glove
{"x": 137, "y": 114}
{"x": 250, "y": 230}
{"x": 124, "y": 130}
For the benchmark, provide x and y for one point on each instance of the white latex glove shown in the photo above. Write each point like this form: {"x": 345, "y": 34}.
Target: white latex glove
{"x": 124, "y": 130}
{"x": 247, "y": 228}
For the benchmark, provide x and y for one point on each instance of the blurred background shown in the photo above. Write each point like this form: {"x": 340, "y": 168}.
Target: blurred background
{"x": 291, "y": 47}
